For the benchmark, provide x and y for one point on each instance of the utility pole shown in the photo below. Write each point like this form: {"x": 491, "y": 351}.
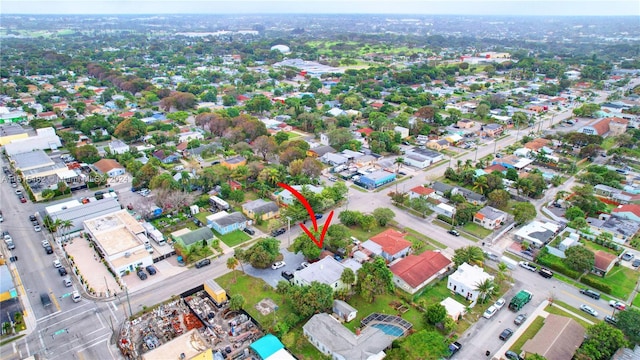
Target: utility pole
{"x": 289, "y": 229}
{"x": 126, "y": 291}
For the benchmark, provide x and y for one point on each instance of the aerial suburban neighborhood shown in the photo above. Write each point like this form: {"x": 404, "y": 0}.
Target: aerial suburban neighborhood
{"x": 318, "y": 187}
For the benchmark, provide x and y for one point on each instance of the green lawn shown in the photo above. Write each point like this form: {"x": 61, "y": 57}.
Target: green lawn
{"x": 202, "y": 216}
{"x": 531, "y": 331}
{"x": 381, "y": 305}
{"x": 476, "y": 230}
{"x": 425, "y": 238}
{"x": 295, "y": 342}
{"x": 636, "y": 301}
{"x": 622, "y": 280}
{"x": 233, "y": 238}
{"x": 419, "y": 246}
{"x": 595, "y": 247}
{"x": 363, "y": 235}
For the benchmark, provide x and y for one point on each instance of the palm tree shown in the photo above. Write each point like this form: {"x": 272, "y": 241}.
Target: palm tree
{"x": 503, "y": 271}
{"x": 66, "y": 225}
{"x": 468, "y": 164}
{"x": 458, "y": 165}
{"x": 486, "y": 289}
{"x": 239, "y": 255}
{"x": 468, "y": 254}
{"x": 232, "y": 264}
{"x": 481, "y": 184}
{"x": 398, "y": 162}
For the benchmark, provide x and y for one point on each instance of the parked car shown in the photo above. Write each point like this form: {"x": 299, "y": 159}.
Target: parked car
{"x": 278, "y": 232}
{"x": 319, "y": 216}
{"x": 521, "y": 318}
{"x": 500, "y": 303}
{"x": 62, "y": 271}
{"x": 141, "y": 274}
{"x": 528, "y": 266}
{"x": 635, "y": 263}
{"x": 23, "y": 200}
{"x": 287, "y": 274}
{"x": 45, "y": 243}
{"x": 151, "y": 270}
{"x": 491, "y": 256}
{"x": 48, "y": 249}
{"x": 512, "y": 355}
{"x": 278, "y": 264}
{"x": 611, "y": 320}
{"x": 590, "y": 293}
{"x": 454, "y": 232}
{"x": 505, "y": 334}
{"x": 56, "y": 263}
{"x": 32, "y": 218}
{"x": 203, "y": 262}
{"x": 490, "y": 312}
{"x": 589, "y": 310}
{"x": 546, "y": 273}
{"x": 18, "y": 192}
{"x": 333, "y": 178}
{"x": 454, "y": 347}
{"x": 249, "y": 231}
{"x": 37, "y": 228}
{"x": 627, "y": 256}
{"x": 617, "y": 305}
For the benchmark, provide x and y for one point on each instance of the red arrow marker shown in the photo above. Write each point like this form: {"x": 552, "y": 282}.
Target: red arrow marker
{"x": 307, "y": 206}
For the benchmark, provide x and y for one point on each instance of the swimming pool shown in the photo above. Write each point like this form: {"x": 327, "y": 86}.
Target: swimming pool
{"x": 389, "y": 329}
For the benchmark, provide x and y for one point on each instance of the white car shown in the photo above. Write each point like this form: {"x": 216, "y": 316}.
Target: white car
{"x": 500, "y": 303}
{"x": 45, "y": 243}
{"x": 589, "y": 310}
{"x": 492, "y": 310}
{"x": 37, "y": 228}
{"x": 278, "y": 265}
{"x": 526, "y": 265}
{"x": 57, "y": 264}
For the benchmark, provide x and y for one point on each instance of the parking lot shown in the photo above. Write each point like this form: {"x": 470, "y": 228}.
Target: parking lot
{"x": 271, "y": 276}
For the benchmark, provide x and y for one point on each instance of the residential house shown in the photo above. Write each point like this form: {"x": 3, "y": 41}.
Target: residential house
{"x": 600, "y": 127}
{"x": 618, "y": 126}
{"x": 513, "y": 162}
{"x": 195, "y": 237}
{"x": 537, "y": 144}
{"x": 492, "y": 130}
{"x": 465, "y": 124}
{"x": 628, "y": 211}
{"x": 617, "y": 195}
{"x": 414, "y": 272}
{"x": 454, "y": 309}
{"x": 324, "y": 139}
{"x": 404, "y": 132}
{"x": 260, "y": 208}
{"x": 421, "y": 158}
{"x": 454, "y": 139}
{"x": 438, "y": 145}
{"x": 165, "y": 157}
{"x": 234, "y": 162}
{"x": 47, "y": 115}
{"x": 558, "y": 339}
{"x": 392, "y": 244}
{"x": 466, "y": 279}
{"x": 118, "y": 147}
{"x": 470, "y": 196}
{"x": 285, "y": 197}
{"x": 621, "y": 229}
{"x": 190, "y": 135}
{"x": 537, "y": 233}
{"x": 444, "y": 209}
{"x": 490, "y": 217}
{"x": 334, "y": 340}
{"x": 224, "y": 223}
{"x": 335, "y": 112}
{"x": 376, "y": 179}
{"x": 419, "y": 191}
{"x": 334, "y": 159}
{"x": 344, "y": 311}
{"x": 326, "y": 271}
{"x": 604, "y": 261}
{"x": 109, "y": 167}
{"x": 319, "y": 151}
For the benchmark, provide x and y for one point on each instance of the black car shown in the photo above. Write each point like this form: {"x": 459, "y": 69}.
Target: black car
{"x": 590, "y": 293}
{"x": 278, "y": 232}
{"x": 506, "y": 334}
{"x": 454, "y": 232}
{"x": 546, "y": 273}
{"x": 48, "y": 249}
{"x": 202, "y": 263}
{"x": 151, "y": 270}
{"x": 249, "y": 231}
{"x": 635, "y": 263}
{"x": 287, "y": 275}
{"x": 512, "y": 355}
{"x": 142, "y": 275}
{"x": 520, "y": 319}
{"x": 32, "y": 218}
{"x": 62, "y": 271}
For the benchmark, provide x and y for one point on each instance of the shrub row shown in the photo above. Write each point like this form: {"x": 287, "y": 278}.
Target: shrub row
{"x": 445, "y": 218}
{"x": 557, "y": 266}
{"x": 596, "y": 284}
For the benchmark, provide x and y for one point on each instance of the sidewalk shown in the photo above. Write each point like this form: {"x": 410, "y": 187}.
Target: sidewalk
{"x": 29, "y": 317}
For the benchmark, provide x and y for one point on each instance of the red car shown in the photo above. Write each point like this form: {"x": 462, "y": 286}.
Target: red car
{"x": 23, "y": 200}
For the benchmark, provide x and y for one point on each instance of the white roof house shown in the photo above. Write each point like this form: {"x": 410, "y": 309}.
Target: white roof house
{"x": 326, "y": 271}
{"x": 466, "y": 279}
{"x": 537, "y": 233}
{"x": 454, "y": 308}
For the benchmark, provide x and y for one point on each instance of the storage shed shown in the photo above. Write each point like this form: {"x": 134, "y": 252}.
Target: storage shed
{"x": 216, "y": 292}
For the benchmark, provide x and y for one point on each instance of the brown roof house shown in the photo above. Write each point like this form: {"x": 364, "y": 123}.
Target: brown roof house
{"x": 109, "y": 167}
{"x": 416, "y": 271}
{"x": 604, "y": 262}
{"x": 618, "y": 126}
{"x": 390, "y": 244}
{"x": 558, "y": 339}
{"x": 600, "y": 127}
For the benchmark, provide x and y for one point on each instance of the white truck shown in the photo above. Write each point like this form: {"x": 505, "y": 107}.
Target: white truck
{"x": 154, "y": 234}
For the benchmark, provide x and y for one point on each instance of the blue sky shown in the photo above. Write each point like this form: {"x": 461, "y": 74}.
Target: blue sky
{"x": 462, "y": 7}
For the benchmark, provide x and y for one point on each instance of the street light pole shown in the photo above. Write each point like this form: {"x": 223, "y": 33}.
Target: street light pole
{"x": 289, "y": 229}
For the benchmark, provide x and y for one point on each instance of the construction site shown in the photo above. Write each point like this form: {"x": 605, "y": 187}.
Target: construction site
{"x": 199, "y": 322}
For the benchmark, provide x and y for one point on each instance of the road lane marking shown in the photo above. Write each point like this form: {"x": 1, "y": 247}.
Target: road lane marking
{"x": 55, "y": 301}
{"x": 604, "y": 310}
{"x": 26, "y": 345}
{"x": 82, "y": 347}
{"x": 69, "y": 318}
{"x": 115, "y": 308}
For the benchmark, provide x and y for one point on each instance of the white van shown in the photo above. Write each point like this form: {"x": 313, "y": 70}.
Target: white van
{"x": 511, "y": 264}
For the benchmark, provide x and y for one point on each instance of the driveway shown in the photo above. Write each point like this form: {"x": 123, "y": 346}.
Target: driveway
{"x": 271, "y": 276}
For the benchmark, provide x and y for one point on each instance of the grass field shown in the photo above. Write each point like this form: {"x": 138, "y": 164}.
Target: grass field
{"x": 622, "y": 280}
{"x": 531, "y": 331}
{"x": 381, "y": 304}
{"x": 233, "y": 238}
{"x": 558, "y": 311}
{"x": 476, "y": 230}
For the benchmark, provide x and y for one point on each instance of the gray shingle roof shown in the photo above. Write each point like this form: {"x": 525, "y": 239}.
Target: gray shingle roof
{"x": 232, "y": 218}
